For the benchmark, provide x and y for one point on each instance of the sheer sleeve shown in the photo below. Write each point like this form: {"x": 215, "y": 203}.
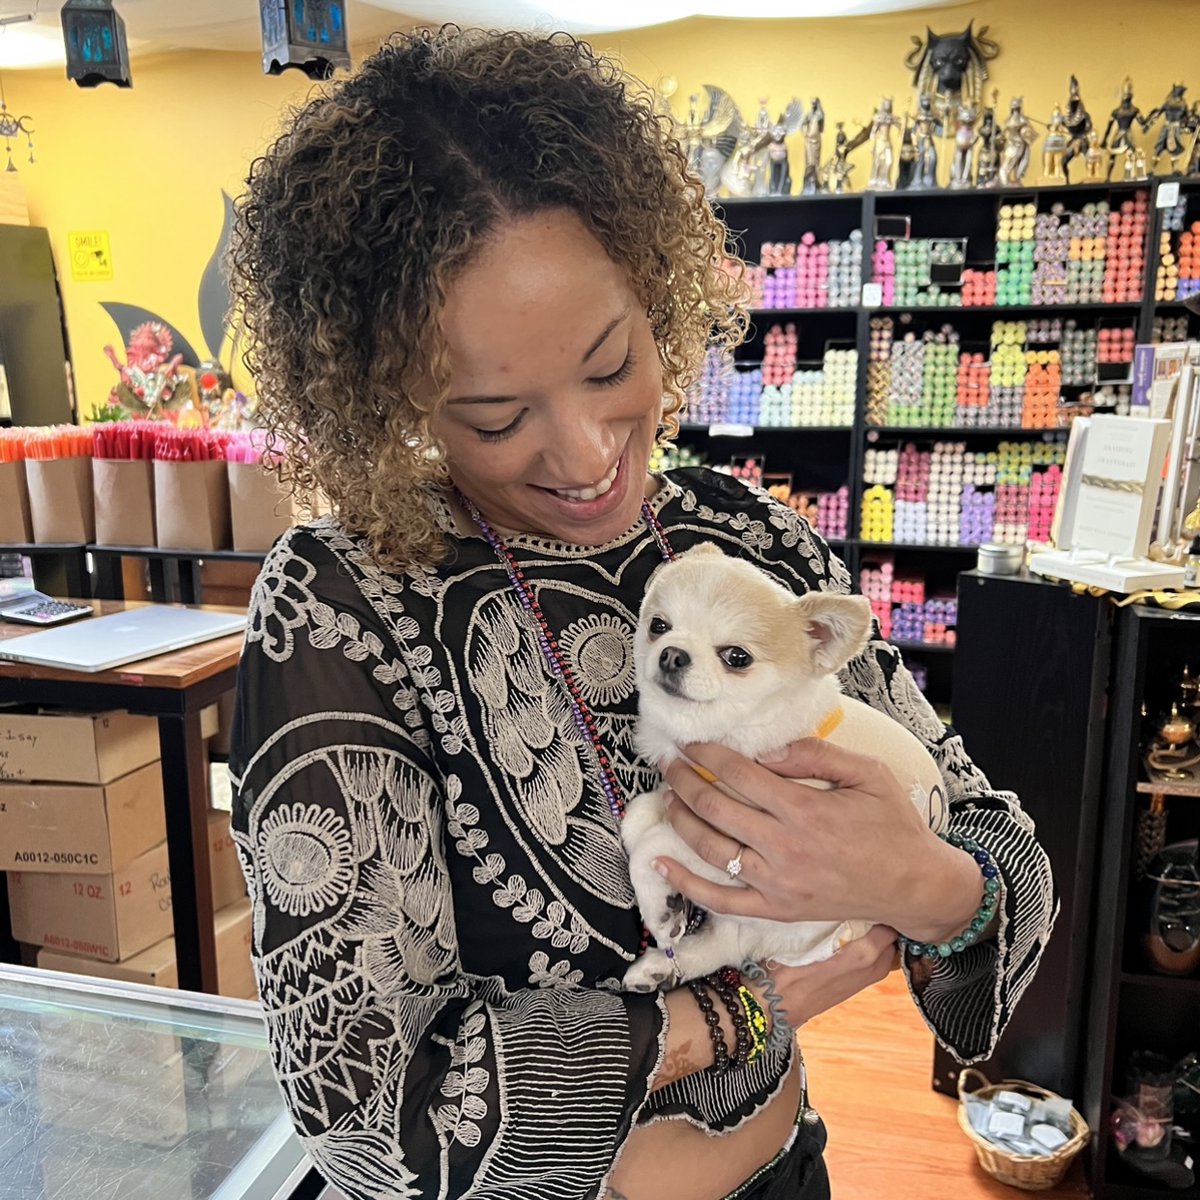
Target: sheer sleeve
{"x": 404, "y": 1076}
{"x": 967, "y": 999}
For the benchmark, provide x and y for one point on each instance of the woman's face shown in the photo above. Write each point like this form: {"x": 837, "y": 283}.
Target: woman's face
{"x": 555, "y": 384}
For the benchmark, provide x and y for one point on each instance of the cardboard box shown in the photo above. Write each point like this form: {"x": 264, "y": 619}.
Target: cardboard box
{"x": 210, "y": 721}
{"x": 124, "y": 496}
{"x": 110, "y": 917}
{"x": 60, "y": 499}
{"x": 65, "y": 748}
{"x": 74, "y": 829}
{"x": 234, "y": 931}
{"x": 192, "y": 505}
{"x": 16, "y": 525}
{"x": 228, "y": 882}
{"x": 155, "y": 966}
{"x": 260, "y": 509}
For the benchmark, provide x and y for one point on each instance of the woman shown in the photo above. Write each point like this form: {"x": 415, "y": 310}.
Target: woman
{"x": 478, "y": 279}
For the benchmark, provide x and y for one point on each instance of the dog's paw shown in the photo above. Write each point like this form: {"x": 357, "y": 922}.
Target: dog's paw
{"x": 670, "y": 923}
{"x": 649, "y": 973}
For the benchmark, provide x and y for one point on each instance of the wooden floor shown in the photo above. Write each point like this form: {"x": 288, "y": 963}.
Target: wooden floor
{"x": 890, "y": 1135}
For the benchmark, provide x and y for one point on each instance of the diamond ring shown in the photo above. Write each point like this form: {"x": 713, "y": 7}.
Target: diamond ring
{"x": 733, "y": 868}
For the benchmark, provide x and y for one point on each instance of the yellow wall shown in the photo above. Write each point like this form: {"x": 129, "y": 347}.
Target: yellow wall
{"x": 148, "y": 164}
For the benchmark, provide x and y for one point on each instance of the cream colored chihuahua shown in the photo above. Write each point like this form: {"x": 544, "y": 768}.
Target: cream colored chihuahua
{"x": 726, "y": 654}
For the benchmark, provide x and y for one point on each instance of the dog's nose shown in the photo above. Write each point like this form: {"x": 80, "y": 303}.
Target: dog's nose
{"x": 672, "y": 660}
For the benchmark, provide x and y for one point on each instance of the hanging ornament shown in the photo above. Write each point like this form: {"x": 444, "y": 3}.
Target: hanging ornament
{"x": 13, "y": 127}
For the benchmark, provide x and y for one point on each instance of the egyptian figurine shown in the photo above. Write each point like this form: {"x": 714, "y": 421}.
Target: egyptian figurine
{"x": 1174, "y": 113}
{"x": 1079, "y": 124}
{"x": 987, "y": 164}
{"x": 1121, "y": 121}
{"x": 882, "y": 152}
{"x": 924, "y": 126}
{"x": 1017, "y": 136}
{"x": 1054, "y": 148}
{"x": 965, "y": 139}
{"x": 813, "y": 128}
{"x": 1096, "y": 160}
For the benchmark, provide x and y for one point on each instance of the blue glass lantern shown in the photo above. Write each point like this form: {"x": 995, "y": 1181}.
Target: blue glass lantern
{"x": 95, "y": 39}
{"x": 309, "y": 35}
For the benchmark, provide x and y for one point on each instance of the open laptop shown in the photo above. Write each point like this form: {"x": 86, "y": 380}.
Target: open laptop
{"x": 118, "y": 638}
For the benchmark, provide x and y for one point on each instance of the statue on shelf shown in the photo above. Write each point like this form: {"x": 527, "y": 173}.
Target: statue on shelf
{"x": 1191, "y": 162}
{"x": 1120, "y": 126}
{"x": 882, "y": 152}
{"x": 813, "y": 127}
{"x": 965, "y": 139}
{"x": 1175, "y": 113}
{"x": 1079, "y": 124}
{"x": 951, "y": 68}
{"x": 987, "y": 165}
{"x": 1054, "y": 148}
{"x": 1096, "y": 159}
{"x": 836, "y": 172}
{"x": 744, "y": 171}
{"x": 709, "y": 135}
{"x": 924, "y": 127}
{"x": 906, "y": 159}
{"x": 779, "y": 169}
{"x": 1016, "y": 138}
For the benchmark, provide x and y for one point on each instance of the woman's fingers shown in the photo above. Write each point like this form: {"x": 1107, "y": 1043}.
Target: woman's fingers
{"x": 711, "y": 845}
{"x": 745, "y": 823}
{"x": 816, "y": 758}
{"x": 715, "y": 897}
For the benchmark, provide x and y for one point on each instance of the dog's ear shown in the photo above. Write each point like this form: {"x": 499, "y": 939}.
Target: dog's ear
{"x": 839, "y": 626}
{"x": 702, "y": 548}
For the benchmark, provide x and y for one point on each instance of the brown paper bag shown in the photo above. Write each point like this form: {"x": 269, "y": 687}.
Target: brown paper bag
{"x": 60, "y": 499}
{"x": 15, "y": 524}
{"x": 260, "y": 509}
{"x": 124, "y": 491}
{"x": 191, "y": 505}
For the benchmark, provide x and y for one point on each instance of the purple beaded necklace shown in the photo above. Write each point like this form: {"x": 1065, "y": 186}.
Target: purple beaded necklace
{"x": 580, "y": 713}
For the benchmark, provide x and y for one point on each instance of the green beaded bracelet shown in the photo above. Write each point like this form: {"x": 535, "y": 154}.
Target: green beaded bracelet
{"x": 983, "y": 914}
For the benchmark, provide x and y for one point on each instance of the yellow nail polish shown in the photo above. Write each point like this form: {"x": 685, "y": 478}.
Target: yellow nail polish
{"x": 704, "y": 773}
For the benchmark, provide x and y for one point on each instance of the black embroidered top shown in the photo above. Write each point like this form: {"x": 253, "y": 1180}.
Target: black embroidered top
{"x": 442, "y": 907}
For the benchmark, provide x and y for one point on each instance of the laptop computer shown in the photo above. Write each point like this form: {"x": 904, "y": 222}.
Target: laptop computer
{"x": 119, "y": 638}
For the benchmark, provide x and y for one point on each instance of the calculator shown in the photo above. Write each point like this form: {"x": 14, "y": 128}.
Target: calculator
{"x": 36, "y": 608}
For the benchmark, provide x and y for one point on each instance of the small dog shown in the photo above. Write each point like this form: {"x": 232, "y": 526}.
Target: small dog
{"x": 724, "y": 653}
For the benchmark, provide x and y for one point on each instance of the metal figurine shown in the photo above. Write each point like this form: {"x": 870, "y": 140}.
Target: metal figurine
{"x": 882, "y": 152}
{"x": 1079, "y": 124}
{"x": 779, "y": 173}
{"x": 1054, "y": 148}
{"x": 906, "y": 159}
{"x": 1120, "y": 126}
{"x": 1175, "y": 114}
{"x": 707, "y": 141}
{"x": 813, "y": 127}
{"x": 1096, "y": 160}
{"x": 925, "y": 173}
{"x": 951, "y": 68}
{"x": 835, "y": 174}
{"x": 965, "y": 139}
{"x": 1016, "y": 141}
{"x": 1191, "y": 164}
{"x": 988, "y": 160}
{"x": 744, "y": 169}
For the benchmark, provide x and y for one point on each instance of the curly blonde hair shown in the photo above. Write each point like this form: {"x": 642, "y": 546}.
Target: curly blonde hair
{"x": 384, "y": 186}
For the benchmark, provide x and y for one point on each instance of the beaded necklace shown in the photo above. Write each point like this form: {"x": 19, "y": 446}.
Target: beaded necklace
{"x": 585, "y": 723}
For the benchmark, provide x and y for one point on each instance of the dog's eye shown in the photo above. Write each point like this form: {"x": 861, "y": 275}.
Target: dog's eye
{"x": 658, "y": 626}
{"x": 735, "y": 657}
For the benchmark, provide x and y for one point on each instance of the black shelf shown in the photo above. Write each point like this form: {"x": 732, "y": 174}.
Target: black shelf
{"x": 764, "y": 428}
{"x": 156, "y": 552}
{"x": 949, "y": 432}
{"x": 863, "y": 544}
{"x": 853, "y": 310}
{"x": 1129, "y": 306}
{"x": 924, "y": 647}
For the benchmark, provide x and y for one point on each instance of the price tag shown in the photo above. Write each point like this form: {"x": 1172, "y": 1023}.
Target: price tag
{"x": 731, "y": 431}
{"x": 1168, "y": 194}
{"x": 872, "y": 295}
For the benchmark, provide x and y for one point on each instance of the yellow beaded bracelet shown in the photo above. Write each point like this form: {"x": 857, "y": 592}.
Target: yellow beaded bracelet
{"x": 757, "y": 1020}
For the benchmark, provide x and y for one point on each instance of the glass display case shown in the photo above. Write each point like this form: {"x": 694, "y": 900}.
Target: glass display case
{"x": 118, "y": 1091}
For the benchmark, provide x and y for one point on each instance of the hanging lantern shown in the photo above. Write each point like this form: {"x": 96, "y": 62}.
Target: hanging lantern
{"x": 95, "y": 39}
{"x": 307, "y": 34}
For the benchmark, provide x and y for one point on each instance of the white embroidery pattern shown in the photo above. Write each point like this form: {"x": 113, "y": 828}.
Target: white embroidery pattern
{"x": 599, "y": 650}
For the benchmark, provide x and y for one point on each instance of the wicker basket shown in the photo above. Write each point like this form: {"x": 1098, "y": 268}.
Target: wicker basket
{"x": 1032, "y": 1172}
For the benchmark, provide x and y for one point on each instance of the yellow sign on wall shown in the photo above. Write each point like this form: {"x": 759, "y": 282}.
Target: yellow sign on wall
{"x": 91, "y": 257}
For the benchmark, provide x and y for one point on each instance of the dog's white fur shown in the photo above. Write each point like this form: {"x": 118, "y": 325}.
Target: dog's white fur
{"x": 798, "y": 642}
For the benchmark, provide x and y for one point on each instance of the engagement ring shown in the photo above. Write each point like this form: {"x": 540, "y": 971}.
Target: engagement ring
{"x": 733, "y": 868}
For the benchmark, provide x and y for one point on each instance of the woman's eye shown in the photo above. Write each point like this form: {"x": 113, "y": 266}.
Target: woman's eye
{"x": 658, "y": 626}
{"x": 619, "y": 375}
{"x": 498, "y": 435}
{"x": 735, "y": 657}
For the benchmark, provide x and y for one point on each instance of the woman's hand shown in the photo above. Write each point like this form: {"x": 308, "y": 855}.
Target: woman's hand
{"x": 806, "y": 992}
{"x": 858, "y": 850}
